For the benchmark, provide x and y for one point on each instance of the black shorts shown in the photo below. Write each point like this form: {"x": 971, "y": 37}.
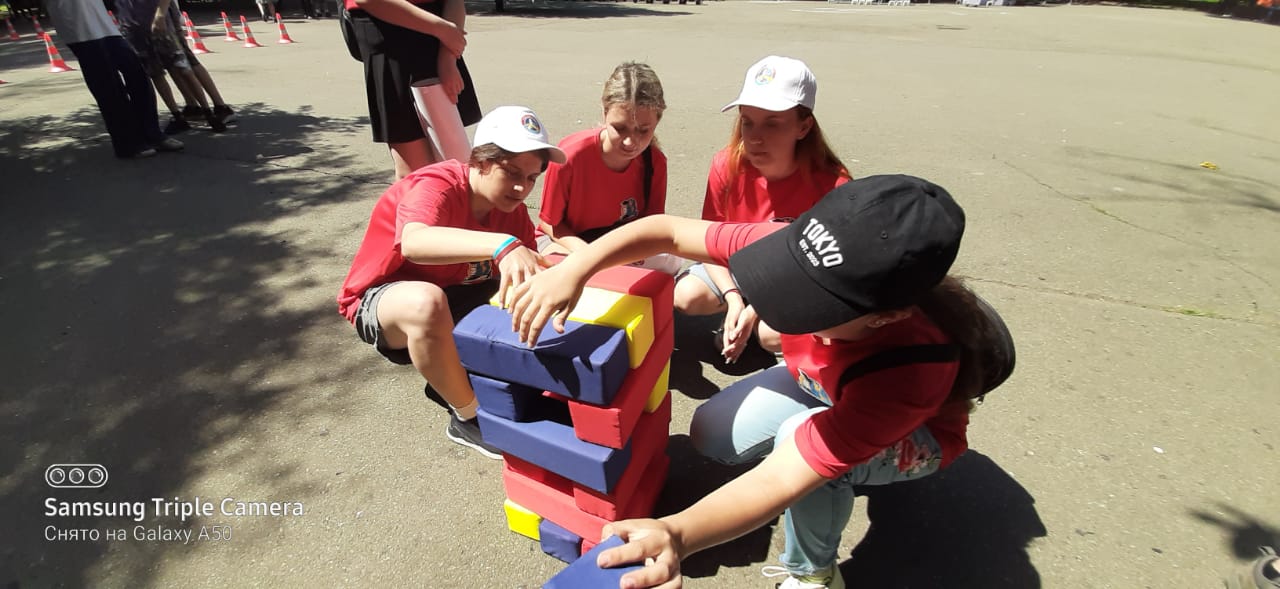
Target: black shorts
{"x": 395, "y": 58}
{"x": 463, "y": 298}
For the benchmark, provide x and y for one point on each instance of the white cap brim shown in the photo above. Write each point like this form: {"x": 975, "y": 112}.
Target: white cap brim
{"x": 770, "y": 103}
{"x": 527, "y": 145}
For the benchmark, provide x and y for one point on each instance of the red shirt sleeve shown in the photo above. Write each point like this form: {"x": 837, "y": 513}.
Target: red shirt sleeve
{"x": 724, "y": 239}
{"x": 432, "y": 200}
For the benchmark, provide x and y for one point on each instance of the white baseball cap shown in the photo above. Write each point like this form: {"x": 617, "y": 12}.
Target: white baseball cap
{"x": 777, "y": 84}
{"x": 515, "y": 129}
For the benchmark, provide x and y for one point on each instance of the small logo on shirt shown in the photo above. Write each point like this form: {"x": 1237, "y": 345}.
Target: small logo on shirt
{"x": 765, "y": 75}
{"x": 630, "y": 210}
{"x": 813, "y": 387}
{"x": 531, "y": 124}
{"x": 478, "y": 272}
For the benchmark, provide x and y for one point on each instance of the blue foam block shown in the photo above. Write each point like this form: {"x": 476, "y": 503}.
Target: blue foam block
{"x": 559, "y": 542}
{"x": 515, "y": 401}
{"x": 584, "y": 573}
{"x": 586, "y": 362}
{"x": 553, "y": 446}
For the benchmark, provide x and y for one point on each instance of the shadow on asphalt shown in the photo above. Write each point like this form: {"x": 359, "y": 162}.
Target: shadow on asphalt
{"x": 695, "y": 347}
{"x": 1245, "y": 533}
{"x": 153, "y": 310}
{"x": 967, "y": 526}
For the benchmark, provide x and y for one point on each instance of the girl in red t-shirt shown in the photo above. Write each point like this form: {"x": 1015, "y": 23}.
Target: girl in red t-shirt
{"x": 776, "y": 165}
{"x": 860, "y": 276}
{"x": 613, "y": 174}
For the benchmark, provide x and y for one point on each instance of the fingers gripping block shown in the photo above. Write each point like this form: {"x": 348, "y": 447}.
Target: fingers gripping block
{"x": 587, "y": 362}
{"x": 632, "y": 314}
{"x": 586, "y": 573}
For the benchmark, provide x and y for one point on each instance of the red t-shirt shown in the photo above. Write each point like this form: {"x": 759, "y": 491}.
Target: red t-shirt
{"x": 584, "y": 193}
{"x": 438, "y": 195}
{"x": 874, "y": 411}
{"x": 750, "y": 198}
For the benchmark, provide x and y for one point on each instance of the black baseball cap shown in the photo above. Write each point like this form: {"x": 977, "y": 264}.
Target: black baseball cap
{"x": 869, "y": 245}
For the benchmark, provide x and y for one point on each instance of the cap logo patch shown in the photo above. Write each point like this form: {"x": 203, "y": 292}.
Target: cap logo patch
{"x": 820, "y": 246}
{"x": 765, "y": 76}
{"x": 531, "y": 124}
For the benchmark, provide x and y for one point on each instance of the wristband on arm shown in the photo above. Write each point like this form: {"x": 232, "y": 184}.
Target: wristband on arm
{"x": 725, "y": 294}
{"x": 505, "y": 248}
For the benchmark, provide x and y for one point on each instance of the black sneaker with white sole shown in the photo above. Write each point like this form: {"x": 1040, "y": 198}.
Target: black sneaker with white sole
{"x": 467, "y": 433}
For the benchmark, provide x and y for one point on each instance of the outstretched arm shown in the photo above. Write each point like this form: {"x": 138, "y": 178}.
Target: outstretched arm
{"x": 733, "y": 510}
{"x": 553, "y": 293}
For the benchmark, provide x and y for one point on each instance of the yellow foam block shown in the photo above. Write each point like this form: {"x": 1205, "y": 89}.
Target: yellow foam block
{"x": 631, "y": 313}
{"x": 659, "y": 390}
{"x": 521, "y": 520}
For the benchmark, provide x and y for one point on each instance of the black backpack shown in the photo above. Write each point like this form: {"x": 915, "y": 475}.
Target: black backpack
{"x": 996, "y": 354}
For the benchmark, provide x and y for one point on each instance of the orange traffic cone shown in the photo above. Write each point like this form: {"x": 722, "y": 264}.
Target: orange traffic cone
{"x": 56, "y": 65}
{"x": 284, "y": 35}
{"x": 13, "y": 35}
{"x": 114, "y": 20}
{"x": 231, "y": 33}
{"x": 35, "y": 21}
{"x": 197, "y": 44}
{"x": 248, "y": 35}
{"x": 187, "y": 26}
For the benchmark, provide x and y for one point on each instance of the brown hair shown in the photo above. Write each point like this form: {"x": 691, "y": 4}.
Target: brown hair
{"x": 634, "y": 84}
{"x": 490, "y": 152}
{"x": 812, "y": 151}
{"x": 955, "y": 310}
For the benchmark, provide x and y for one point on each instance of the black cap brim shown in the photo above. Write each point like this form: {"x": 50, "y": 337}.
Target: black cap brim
{"x": 784, "y": 297}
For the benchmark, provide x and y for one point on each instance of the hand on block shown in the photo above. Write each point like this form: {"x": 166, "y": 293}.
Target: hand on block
{"x": 585, "y": 573}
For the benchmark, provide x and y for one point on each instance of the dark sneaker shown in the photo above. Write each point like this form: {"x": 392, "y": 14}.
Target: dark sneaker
{"x": 225, "y": 113}
{"x": 467, "y": 433}
{"x": 214, "y": 121}
{"x": 169, "y": 144}
{"x": 1263, "y": 573}
{"x": 177, "y": 125}
{"x": 192, "y": 110}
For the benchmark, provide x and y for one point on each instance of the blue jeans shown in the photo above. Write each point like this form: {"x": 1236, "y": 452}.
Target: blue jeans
{"x": 742, "y": 422}
{"x": 124, "y": 93}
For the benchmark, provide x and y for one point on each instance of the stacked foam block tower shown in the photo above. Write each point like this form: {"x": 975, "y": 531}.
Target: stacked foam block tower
{"x": 582, "y": 418}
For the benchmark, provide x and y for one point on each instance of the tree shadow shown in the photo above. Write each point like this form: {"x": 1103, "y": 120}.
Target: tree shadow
{"x": 1246, "y": 533}
{"x": 966, "y": 526}
{"x": 161, "y": 314}
{"x": 692, "y": 477}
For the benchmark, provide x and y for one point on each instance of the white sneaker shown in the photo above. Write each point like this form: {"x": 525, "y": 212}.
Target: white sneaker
{"x": 826, "y": 579}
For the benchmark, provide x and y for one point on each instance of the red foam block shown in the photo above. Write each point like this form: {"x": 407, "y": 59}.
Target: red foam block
{"x": 613, "y": 425}
{"x": 556, "y": 503}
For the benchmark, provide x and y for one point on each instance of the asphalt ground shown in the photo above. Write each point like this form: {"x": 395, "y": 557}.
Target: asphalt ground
{"x": 173, "y": 319}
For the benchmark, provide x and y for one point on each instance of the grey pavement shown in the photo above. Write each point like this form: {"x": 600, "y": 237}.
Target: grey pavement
{"x": 174, "y": 319}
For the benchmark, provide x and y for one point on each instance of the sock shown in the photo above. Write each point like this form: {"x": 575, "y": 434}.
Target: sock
{"x": 468, "y": 411}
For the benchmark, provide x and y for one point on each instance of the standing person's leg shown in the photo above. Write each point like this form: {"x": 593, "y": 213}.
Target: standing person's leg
{"x": 127, "y": 138}
{"x": 142, "y": 96}
{"x": 409, "y": 156}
